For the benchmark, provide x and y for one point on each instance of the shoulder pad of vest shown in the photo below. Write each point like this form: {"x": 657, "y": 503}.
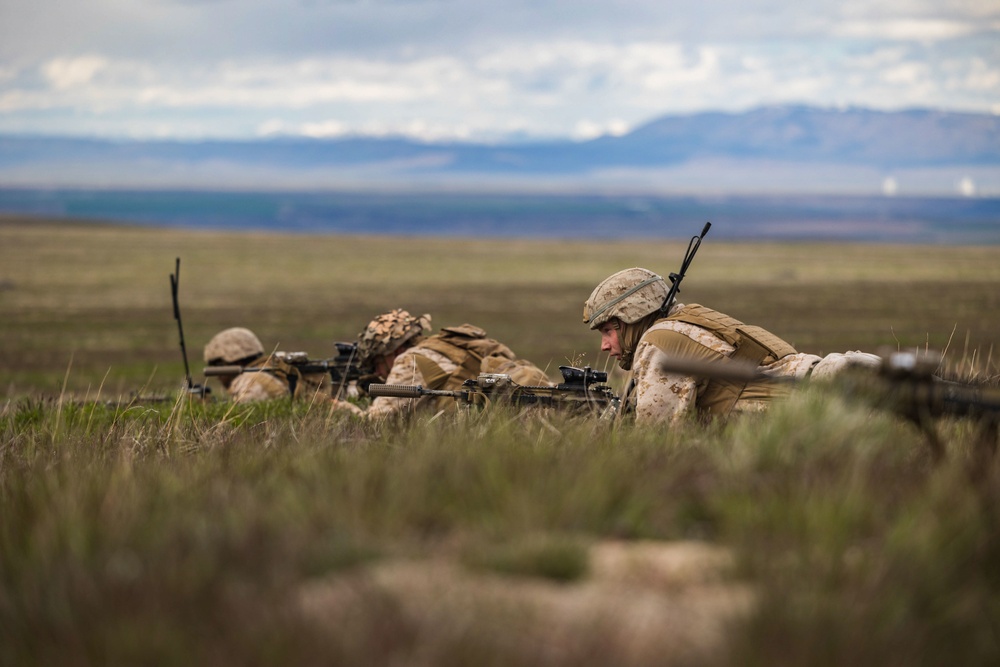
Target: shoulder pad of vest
{"x": 467, "y": 330}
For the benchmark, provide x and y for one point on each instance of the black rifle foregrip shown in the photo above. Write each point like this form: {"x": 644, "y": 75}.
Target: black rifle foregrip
{"x": 396, "y": 390}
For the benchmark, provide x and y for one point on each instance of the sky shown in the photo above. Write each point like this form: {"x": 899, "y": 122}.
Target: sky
{"x": 475, "y": 70}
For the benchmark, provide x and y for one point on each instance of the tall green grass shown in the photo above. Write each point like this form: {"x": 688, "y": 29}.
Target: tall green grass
{"x": 184, "y": 533}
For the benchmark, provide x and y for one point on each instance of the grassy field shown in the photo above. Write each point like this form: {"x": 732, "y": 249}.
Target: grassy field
{"x": 182, "y": 533}
{"x": 90, "y": 304}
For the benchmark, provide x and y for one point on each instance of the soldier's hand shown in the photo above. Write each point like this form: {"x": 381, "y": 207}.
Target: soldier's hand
{"x": 368, "y": 379}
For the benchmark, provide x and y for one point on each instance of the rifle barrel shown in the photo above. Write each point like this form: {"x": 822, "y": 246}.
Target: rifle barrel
{"x": 211, "y": 371}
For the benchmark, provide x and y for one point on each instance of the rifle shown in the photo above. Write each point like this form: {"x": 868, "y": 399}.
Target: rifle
{"x": 676, "y": 278}
{"x": 343, "y": 369}
{"x": 582, "y": 389}
{"x": 128, "y": 401}
{"x": 904, "y": 384}
{"x": 195, "y": 389}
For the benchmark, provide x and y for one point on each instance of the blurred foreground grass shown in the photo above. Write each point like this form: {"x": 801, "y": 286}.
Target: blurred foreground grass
{"x": 179, "y": 533}
{"x": 273, "y": 534}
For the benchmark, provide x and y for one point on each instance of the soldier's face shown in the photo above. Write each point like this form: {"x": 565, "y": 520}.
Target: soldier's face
{"x": 609, "y": 339}
{"x": 383, "y": 364}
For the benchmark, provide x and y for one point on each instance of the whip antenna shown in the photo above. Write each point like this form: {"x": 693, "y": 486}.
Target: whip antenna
{"x": 676, "y": 278}
{"x": 174, "y": 281}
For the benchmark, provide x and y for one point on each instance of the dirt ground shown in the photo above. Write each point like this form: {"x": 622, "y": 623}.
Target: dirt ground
{"x": 666, "y": 603}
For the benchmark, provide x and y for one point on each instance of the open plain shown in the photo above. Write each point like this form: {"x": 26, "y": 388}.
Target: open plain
{"x": 85, "y": 304}
{"x": 176, "y": 532}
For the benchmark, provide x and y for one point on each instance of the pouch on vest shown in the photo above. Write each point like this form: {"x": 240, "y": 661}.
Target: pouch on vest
{"x": 466, "y": 346}
{"x": 434, "y": 376}
{"x": 732, "y": 330}
{"x": 749, "y": 352}
{"x": 752, "y": 346}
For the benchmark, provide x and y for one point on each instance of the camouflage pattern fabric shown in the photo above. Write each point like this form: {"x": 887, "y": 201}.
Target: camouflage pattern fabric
{"x": 406, "y": 371}
{"x": 253, "y": 387}
{"x": 833, "y": 364}
{"x": 259, "y": 386}
{"x": 274, "y": 383}
{"x": 521, "y": 371}
{"x": 662, "y": 397}
{"x": 445, "y": 361}
{"x": 232, "y": 345}
{"x": 628, "y": 295}
{"x": 387, "y": 332}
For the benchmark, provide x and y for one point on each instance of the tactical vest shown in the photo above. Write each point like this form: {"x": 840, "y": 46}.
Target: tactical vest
{"x": 466, "y": 346}
{"x": 753, "y": 346}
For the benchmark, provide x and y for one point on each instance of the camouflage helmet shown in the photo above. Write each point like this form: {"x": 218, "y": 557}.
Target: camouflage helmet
{"x": 387, "y": 332}
{"x": 629, "y": 295}
{"x": 233, "y": 345}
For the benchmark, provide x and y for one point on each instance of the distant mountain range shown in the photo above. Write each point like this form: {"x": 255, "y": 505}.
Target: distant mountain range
{"x": 787, "y": 149}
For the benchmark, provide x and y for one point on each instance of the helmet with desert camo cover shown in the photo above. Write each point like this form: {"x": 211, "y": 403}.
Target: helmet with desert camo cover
{"x": 388, "y": 332}
{"x": 629, "y": 295}
{"x": 233, "y": 345}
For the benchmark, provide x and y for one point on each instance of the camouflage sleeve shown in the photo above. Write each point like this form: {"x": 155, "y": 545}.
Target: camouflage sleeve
{"x": 259, "y": 386}
{"x": 837, "y": 362}
{"x": 405, "y": 371}
{"x": 797, "y": 366}
{"x": 660, "y": 396}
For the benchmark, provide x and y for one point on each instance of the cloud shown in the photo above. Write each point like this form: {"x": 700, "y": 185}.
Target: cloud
{"x": 975, "y": 75}
{"x": 920, "y": 30}
{"x": 588, "y": 129}
{"x": 65, "y": 73}
{"x": 475, "y": 68}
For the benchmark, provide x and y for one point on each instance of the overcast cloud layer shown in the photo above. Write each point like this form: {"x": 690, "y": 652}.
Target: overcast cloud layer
{"x": 475, "y": 69}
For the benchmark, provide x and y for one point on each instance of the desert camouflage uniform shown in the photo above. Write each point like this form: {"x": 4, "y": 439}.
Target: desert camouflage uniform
{"x": 240, "y": 346}
{"x": 443, "y": 361}
{"x": 274, "y": 383}
{"x": 258, "y": 386}
{"x": 658, "y": 395}
{"x": 699, "y": 334}
{"x": 406, "y": 371}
